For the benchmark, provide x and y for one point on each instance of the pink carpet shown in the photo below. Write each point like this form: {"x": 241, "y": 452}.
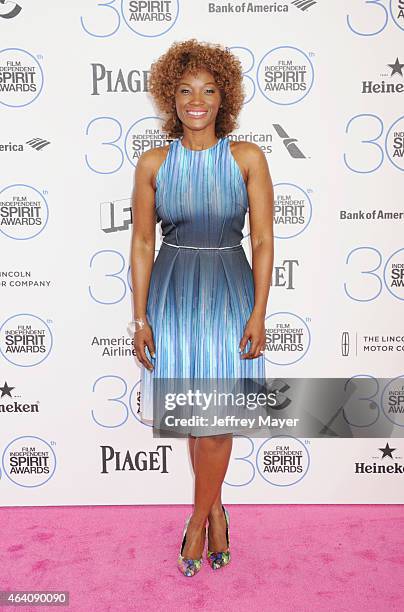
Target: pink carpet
{"x": 285, "y": 557}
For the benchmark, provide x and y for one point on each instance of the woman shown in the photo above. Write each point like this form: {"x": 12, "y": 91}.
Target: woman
{"x": 198, "y": 305}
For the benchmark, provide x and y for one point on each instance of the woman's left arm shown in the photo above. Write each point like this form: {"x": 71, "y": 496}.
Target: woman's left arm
{"x": 261, "y": 212}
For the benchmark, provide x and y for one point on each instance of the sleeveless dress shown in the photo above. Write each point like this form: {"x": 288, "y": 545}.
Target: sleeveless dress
{"x": 201, "y": 295}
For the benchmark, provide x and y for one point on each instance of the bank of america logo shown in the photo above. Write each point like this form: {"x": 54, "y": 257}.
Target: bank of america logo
{"x": 304, "y": 4}
{"x": 38, "y": 143}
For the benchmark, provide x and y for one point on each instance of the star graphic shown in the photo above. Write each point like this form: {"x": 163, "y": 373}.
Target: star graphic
{"x": 396, "y": 68}
{"x": 387, "y": 451}
{"x": 6, "y": 390}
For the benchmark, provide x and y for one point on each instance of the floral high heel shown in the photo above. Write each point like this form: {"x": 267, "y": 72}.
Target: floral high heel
{"x": 220, "y": 559}
{"x": 188, "y": 567}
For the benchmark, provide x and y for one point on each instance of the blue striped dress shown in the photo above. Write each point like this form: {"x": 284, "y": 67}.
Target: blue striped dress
{"x": 200, "y": 296}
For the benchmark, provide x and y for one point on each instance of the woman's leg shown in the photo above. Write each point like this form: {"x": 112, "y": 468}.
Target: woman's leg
{"x": 217, "y": 522}
{"x": 210, "y": 458}
{"x": 217, "y": 504}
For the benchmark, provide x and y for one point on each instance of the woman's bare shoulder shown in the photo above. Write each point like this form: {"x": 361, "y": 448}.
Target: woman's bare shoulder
{"x": 248, "y": 155}
{"x": 151, "y": 160}
{"x": 247, "y": 150}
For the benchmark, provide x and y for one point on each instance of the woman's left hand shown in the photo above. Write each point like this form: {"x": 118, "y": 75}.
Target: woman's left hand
{"x": 255, "y": 332}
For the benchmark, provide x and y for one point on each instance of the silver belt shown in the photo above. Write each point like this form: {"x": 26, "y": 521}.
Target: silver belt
{"x": 183, "y": 246}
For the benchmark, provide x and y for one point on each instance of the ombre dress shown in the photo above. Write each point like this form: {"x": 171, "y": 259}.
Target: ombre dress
{"x": 201, "y": 291}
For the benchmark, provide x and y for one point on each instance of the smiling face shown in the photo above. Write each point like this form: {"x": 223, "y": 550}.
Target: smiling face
{"x": 197, "y": 100}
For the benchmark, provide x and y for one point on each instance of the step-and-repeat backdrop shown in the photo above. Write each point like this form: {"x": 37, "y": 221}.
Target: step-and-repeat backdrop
{"x": 325, "y": 90}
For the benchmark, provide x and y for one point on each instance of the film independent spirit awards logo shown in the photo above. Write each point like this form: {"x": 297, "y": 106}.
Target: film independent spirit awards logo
{"x": 21, "y": 77}
{"x": 24, "y": 212}
{"x": 25, "y": 340}
{"x": 29, "y": 461}
{"x": 283, "y": 460}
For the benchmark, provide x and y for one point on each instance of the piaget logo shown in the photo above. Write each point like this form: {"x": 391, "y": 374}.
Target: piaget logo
{"x": 113, "y": 460}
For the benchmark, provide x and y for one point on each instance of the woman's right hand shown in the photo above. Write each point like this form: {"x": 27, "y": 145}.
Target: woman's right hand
{"x": 142, "y": 338}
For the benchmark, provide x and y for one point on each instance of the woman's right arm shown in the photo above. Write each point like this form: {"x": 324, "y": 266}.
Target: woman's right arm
{"x": 142, "y": 250}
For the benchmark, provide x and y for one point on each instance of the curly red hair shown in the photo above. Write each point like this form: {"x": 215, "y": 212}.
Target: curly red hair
{"x": 191, "y": 55}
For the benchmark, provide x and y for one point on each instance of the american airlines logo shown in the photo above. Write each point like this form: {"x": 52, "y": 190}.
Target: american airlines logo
{"x": 290, "y": 143}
